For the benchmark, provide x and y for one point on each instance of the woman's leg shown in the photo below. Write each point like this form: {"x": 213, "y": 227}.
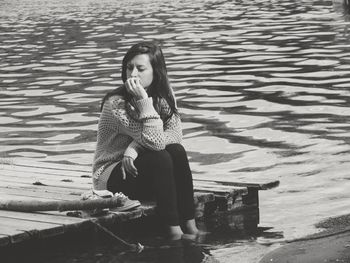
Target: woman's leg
{"x": 155, "y": 179}
{"x": 184, "y": 186}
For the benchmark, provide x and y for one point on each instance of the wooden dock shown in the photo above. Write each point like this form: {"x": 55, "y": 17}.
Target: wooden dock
{"x": 217, "y": 203}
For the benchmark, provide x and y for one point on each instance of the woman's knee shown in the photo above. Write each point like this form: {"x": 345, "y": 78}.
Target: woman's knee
{"x": 155, "y": 160}
{"x": 176, "y": 149}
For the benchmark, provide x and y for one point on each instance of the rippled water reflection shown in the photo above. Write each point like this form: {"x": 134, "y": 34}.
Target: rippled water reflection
{"x": 263, "y": 88}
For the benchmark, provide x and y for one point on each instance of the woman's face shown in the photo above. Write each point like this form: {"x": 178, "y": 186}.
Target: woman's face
{"x": 140, "y": 67}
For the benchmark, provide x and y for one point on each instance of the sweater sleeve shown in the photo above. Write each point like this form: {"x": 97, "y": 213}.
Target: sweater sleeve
{"x": 173, "y": 130}
{"x": 133, "y": 150}
{"x": 147, "y": 130}
{"x": 172, "y": 126}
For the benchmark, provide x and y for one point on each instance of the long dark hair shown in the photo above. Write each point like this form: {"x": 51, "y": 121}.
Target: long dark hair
{"x": 160, "y": 87}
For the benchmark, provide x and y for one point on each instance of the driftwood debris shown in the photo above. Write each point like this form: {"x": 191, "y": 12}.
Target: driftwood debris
{"x": 132, "y": 247}
{"x": 61, "y": 205}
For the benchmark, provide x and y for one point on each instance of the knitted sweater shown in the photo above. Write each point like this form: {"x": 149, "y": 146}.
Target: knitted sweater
{"x": 127, "y": 130}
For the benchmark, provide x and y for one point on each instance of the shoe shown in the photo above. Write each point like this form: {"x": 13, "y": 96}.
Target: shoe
{"x": 93, "y": 195}
{"x": 125, "y": 203}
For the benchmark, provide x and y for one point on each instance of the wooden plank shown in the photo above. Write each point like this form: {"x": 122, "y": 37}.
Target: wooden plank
{"x": 208, "y": 190}
{"x": 50, "y": 165}
{"x": 13, "y": 197}
{"x": 44, "y": 170}
{"x": 14, "y": 235}
{"x": 4, "y": 240}
{"x": 220, "y": 188}
{"x": 79, "y": 170}
{"x": 259, "y": 185}
{"x": 44, "y": 183}
{"x": 72, "y": 169}
{"x": 44, "y": 218}
{"x": 221, "y": 192}
{"x": 42, "y": 176}
{"x": 36, "y": 229}
{"x": 47, "y": 188}
{"x": 35, "y": 193}
{"x": 252, "y": 198}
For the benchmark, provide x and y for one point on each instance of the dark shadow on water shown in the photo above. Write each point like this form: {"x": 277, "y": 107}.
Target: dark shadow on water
{"x": 181, "y": 251}
{"x": 346, "y": 6}
{"x": 94, "y": 246}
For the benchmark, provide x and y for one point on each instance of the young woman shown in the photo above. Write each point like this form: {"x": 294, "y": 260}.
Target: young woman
{"x": 139, "y": 149}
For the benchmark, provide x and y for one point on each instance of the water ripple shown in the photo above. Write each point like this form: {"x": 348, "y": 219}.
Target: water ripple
{"x": 263, "y": 88}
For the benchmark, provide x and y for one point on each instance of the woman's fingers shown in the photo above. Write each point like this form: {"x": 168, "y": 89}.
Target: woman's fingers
{"x": 133, "y": 169}
{"x": 123, "y": 171}
{"x": 138, "y": 83}
{"x": 128, "y": 166}
{"x": 134, "y": 87}
{"x": 129, "y": 86}
{"x": 140, "y": 89}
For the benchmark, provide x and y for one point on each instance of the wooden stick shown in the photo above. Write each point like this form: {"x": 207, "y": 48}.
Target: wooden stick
{"x": 133, "y": 247}
{"x": 60, "y": 205}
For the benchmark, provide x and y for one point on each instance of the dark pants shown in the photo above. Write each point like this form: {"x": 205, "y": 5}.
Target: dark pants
{"x": 164, "y": 176}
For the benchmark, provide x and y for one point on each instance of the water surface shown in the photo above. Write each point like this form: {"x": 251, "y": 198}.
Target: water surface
{"x": 262, "y": 86}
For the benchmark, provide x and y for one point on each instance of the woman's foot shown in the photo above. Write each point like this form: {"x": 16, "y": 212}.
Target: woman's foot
{"x": 192, "y": 232}
{"x": 190, "y": 227}
{"x": 174, "y": 232}
{"x": 199, "y": 237}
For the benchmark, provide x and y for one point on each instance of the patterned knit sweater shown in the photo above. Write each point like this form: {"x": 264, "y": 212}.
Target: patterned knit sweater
{"x": 127, "y": 130}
